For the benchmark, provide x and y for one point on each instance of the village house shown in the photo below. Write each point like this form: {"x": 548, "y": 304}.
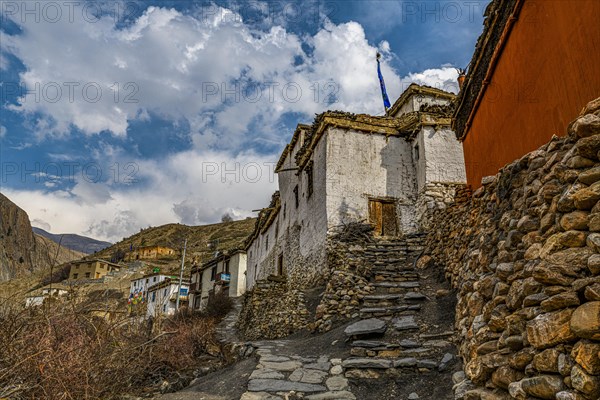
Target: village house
{"x": 347, "y": 168}
{"x": 149, "y": 253}
{"x": 226, "y": 273}
{"x": 162, "y": 296}
{"x": 91, "y": 269}
{"x": 138, "y": 288}
{"x": 55, "y": 290}
{"x": 533, "y": 58}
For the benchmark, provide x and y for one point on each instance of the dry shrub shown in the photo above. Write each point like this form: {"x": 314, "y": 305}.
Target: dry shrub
{"x": 58, "y": 275}
{"x": 58, "y": 351}
{"x": 218, "y": 305}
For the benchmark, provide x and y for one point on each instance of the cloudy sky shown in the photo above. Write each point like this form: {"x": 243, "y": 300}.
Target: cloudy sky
{"x": 118, "y": 115}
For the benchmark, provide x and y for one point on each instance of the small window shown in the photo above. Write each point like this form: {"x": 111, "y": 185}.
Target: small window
{"x": 147, "y": 280}
{"x": 87, "y": 274}
{"x": 267, "y": 242}
{"x": 417, "y": 155}
{"x": 277, "y": 229}
{"x": 284, "y": 210}
{"x": 280, "y": 264}
{"x": 75, "y": 276}
{"x": 153, "y": 297}
{"x": 309, "y": 178}
{"x": 226, "y": 267}
{"x": 165, "y": 292}
{"x": 154, "y": 279}
{"x": 213, "y": 273}
{"x": 297, "y": 199}
{"x": 165, "y": 308}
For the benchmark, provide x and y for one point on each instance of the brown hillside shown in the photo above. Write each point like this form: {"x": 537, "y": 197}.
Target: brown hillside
{"x": 226, "y": 235}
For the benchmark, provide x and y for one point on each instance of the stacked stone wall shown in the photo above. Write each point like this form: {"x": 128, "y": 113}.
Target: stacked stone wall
{"x": 272, "y": 310}
{"x": 523, "y": 255}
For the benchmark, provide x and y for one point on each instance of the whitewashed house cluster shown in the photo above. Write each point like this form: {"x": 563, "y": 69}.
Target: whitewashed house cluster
{"x": 162, "y": 296}
{"x": 226, "y": 273}
{"x": 348, "y": 168}
{"x": 138, "y": 288}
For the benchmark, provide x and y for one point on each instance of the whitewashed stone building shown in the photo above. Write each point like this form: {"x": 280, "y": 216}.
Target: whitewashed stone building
{"x": 350, "y": 168}
{"x": 226, "y": 273}
{"x": 162, "y": 296}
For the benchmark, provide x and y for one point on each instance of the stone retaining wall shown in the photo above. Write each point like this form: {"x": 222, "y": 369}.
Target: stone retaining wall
{"x": 522, "y": 254}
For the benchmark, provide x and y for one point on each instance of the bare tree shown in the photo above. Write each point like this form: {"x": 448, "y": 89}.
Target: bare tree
{"x": 226, "y": 218}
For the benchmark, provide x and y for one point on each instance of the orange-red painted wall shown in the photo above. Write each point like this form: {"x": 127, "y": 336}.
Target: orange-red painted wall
{"x": 548, "y": 71}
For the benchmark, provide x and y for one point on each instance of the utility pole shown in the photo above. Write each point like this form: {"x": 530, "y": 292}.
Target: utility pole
{"x": 180, "y": 276}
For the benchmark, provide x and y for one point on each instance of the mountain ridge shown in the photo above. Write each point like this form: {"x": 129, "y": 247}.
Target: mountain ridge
{"x": 82, "y": 244}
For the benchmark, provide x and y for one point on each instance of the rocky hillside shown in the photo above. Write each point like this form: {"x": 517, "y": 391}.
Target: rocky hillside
{"x": 74, "y": 242}
{"x": 22, "y": 251}
{"x": 202, "y": 243}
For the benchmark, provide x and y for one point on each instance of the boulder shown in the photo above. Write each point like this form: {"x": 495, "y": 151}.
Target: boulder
{"x": 561, "y": 300}
{"x": 576, "y": 220}
{"x": 546, "y": 361}
{"x": 366, "y": 327}
{"x": 587, "y": 384}
{"x": 586, "y": 198}
{"x": 586, "y": 125}
{"x": 590, "y": 176}
{"x": 587, "y": 355}
{"x": 585, "y": 321}
{"x": 550, "y": 329}
{"x": 543, "y": 386}
{"x": 588, "y": 147}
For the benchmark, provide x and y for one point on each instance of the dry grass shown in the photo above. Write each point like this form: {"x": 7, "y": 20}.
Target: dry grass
{"x": 59, "y": 351}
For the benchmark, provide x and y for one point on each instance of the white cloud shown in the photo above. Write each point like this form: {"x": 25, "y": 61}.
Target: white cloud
{"x": 179, "y": 65}
{"x": 191, "y": 187}
{"x": 170, "y": 58}
{"x": 41, "y": 224}
{"x": 2, "y": 131}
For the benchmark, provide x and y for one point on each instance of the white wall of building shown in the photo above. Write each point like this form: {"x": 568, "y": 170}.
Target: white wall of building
{"x": 161, "y": 298}
{"x": 442, "y": 156}
{"x": 362, "y": 165}
{"x": 142, "y": 284}
{"x": 237, "y": 284}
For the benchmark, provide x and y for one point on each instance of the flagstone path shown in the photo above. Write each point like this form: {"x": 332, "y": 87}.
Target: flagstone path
{"x": 282, "y": 375}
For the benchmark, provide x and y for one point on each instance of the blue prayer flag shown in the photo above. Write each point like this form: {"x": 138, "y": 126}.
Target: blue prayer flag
{"x": 386, "y": 100}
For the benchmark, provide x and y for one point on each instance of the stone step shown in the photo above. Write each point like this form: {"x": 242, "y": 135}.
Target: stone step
{"x": 369, "y": 312}
{"x": 384, "y": 300}
{"x": 391, "y": 352}
{"x": 401, "y": 285}
{"x": 378, "y": 344}
{"x": 386, "y": 363}
{"x": 394, "y": 278}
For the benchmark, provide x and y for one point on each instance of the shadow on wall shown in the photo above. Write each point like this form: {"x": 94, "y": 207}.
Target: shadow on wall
{"x": 347, "y": 214}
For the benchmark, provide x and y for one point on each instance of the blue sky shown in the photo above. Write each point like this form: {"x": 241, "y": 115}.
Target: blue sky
{"x": 118, "y": 115}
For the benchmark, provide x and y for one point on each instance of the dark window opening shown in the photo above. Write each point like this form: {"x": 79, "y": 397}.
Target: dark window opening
{"x": 213, "y": 273}
{"x": 280, "y": 264}
{"x": 227, "y": 266}
{"x": 309, "y": 177}
{"x": 296, "y": 196}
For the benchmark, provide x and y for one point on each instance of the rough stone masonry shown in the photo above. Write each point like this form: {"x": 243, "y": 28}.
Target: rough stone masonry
{"x": 523, "y": 254}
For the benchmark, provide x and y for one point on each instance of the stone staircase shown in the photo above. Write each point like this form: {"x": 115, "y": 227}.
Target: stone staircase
{"x": 393, "y": 335}
{"x": 226, "y": 331}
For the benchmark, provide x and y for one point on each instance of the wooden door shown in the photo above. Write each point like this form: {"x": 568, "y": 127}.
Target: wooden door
{"x": 382, "y": 215}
